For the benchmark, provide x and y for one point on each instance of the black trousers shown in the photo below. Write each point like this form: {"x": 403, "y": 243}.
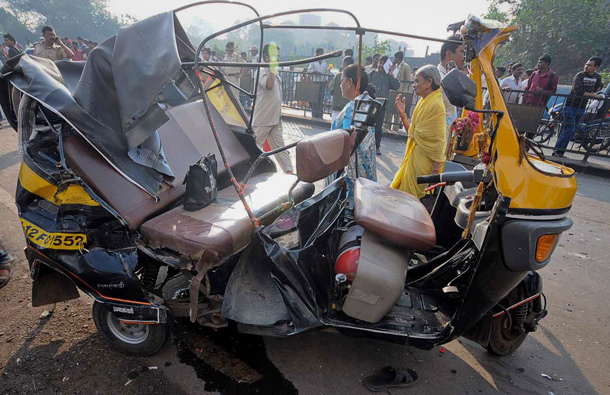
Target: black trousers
{"x": 379, "y": 128}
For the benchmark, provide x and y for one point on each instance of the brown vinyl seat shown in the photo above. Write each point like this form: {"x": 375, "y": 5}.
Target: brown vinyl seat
{"x": 223, "y": 227}
{"x": 323, "y": 154}
{"x": 186, "y": 137}
{"x": 396, "y": 216}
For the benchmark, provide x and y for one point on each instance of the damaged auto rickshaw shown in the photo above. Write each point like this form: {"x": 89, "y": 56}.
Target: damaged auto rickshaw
{"x": 107, "y": 143}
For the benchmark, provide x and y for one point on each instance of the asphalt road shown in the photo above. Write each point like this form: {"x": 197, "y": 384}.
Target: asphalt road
{"x": 64, "y": 354}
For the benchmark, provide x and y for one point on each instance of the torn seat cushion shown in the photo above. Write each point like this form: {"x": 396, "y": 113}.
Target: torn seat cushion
{"x": 396, "y": 216}
{"x": 223, "y": 227}
{"x": 185, "y": 138}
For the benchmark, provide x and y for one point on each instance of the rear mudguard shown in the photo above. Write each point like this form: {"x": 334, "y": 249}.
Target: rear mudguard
{"x": 105, "y": 276}
{"x": 531, "y": 286}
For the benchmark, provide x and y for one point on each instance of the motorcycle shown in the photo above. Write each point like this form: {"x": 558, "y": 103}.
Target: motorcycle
{"x": 593, "y": 133}
{"x": 100, "y": 200}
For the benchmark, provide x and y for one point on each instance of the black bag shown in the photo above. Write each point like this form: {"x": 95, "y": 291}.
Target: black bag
{"x": 201, "y": 187}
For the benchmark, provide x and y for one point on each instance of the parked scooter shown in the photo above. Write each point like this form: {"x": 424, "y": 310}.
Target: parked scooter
{"x": 593, "y": 133}
{"x": 269, "y": 254}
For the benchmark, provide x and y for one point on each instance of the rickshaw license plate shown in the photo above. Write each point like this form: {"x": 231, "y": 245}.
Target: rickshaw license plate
{"x": 57, "y": 241}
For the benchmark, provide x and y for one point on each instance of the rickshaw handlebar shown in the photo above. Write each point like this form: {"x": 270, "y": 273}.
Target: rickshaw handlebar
{"x": 452, "y": 177}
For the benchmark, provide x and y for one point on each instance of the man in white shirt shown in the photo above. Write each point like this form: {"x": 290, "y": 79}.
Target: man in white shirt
{"x": 513, "y": 83}
{"x": 267, "y": 120}
{"x": 402, "y": 71}
{"x": 368, "y": 64}
{"x": 318, "y": 70}
{"x": 451, "y": 53}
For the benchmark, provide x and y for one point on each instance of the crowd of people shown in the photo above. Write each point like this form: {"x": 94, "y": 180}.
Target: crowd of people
{"x": 50, "y": 46}
{"x": 427, "y": 128}
{"x": 535, "y": 86}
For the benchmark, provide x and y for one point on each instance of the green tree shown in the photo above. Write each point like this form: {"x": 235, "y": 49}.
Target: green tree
{"x": 87, "y": 18}
{"x": 569, "y": 31}
{"x": 9, "y": 23}
{"x": 382, "y": 47}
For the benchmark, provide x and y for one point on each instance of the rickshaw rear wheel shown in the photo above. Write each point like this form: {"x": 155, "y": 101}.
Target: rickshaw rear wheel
{"x": 132, "y": 339}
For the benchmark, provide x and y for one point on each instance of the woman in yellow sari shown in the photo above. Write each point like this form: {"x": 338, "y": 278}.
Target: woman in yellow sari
{"x": 425, "y": 153}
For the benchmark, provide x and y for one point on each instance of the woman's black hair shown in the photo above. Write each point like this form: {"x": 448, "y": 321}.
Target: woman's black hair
{"x": 351, "y": 73}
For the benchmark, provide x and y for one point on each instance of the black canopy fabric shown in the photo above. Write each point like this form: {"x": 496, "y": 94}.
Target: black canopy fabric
{"x": 114, "y": 103}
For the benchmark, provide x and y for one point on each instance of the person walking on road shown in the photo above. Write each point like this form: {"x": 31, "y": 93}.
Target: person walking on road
{"x": 267, "y": 121}
{"x": 425, "y": 151}
{"x": 52, "y": 47}
{"x": 383, "y": 82}
{"x": 586, "y": 85}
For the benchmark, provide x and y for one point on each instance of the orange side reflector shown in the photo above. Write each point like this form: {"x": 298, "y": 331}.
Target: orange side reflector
{"x": 545, "y": 246}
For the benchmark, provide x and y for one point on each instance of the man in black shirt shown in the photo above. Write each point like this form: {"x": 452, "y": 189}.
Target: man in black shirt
{"x": 586, "y": 85}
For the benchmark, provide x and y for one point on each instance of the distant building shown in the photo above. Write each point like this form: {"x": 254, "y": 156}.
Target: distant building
{"x": 433, "y": 58}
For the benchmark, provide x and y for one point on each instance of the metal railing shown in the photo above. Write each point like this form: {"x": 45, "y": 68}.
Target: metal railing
{"x": 542, "y": 117}
{"x": 308, "y": 92}
{"x": 539, "y": 115}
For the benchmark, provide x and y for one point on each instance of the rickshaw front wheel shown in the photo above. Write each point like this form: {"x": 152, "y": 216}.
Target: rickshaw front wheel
{"x": 505, "y": 340}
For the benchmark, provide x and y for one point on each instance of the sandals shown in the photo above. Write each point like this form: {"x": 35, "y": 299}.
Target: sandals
{"x": 389, "y": 377}
{"x": 6, "y": 263}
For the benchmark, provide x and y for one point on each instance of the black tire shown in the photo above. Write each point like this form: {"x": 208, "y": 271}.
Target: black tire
{"x": 502, "y": 340}
{"x": 544, "y": 133}
{"x": 138, "y": 340}
{"x": 596, "y": 140}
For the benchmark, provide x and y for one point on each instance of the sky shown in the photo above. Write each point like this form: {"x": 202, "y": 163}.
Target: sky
{"x": 424, "y": 17}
